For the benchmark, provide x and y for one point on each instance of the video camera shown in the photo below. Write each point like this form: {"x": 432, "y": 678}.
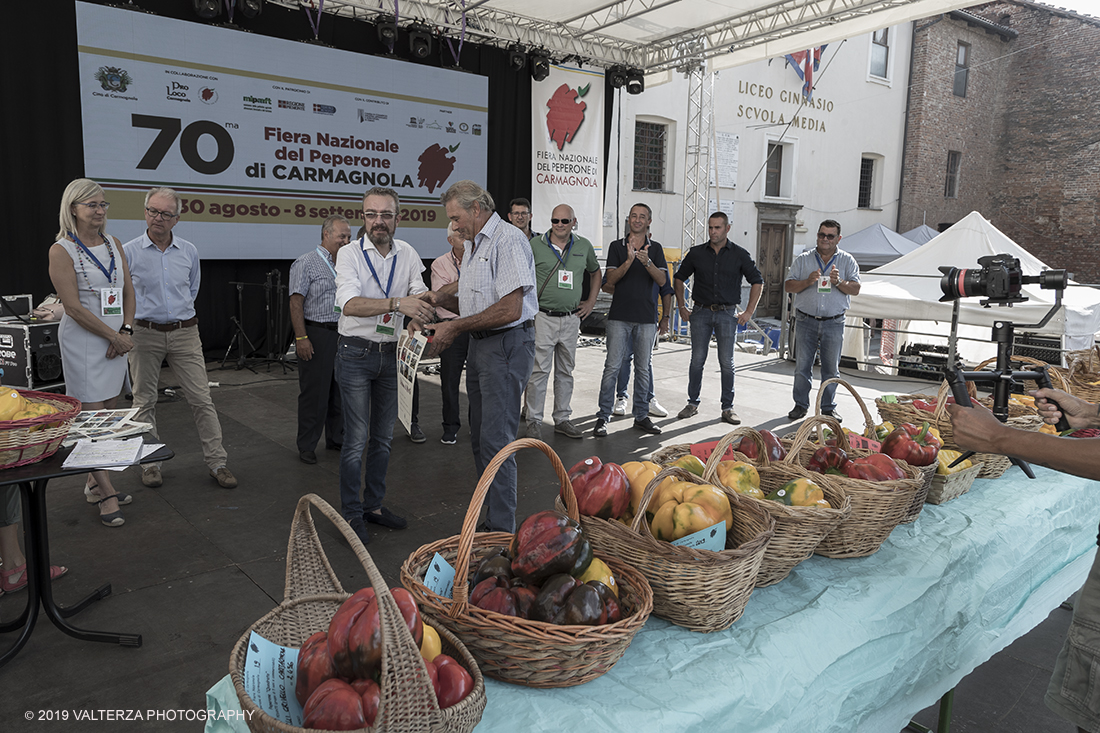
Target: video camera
{"x": 1000, "y": 280}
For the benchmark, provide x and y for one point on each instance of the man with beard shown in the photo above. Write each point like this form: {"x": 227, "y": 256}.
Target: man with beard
{"x": 378, "y": 284}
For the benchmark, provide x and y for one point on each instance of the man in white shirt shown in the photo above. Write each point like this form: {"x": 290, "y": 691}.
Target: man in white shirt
{"x": 378, "y": 285}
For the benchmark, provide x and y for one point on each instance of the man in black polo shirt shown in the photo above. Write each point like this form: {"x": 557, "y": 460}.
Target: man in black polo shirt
{"x": 718, "y": 267}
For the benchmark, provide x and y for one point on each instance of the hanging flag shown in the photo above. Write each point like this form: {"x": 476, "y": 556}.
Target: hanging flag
{"x": 805, "y": 63}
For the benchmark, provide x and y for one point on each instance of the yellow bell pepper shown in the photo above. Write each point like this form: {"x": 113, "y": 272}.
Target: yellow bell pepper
{"x": 598, "y": 570}
{"x": 799, "y": 492}
{"x": 689, "y": 508}
{"x": 639, "y": 474}
{"x": 430, "y": 645}
{"x": 1049, "y": 429}
{"x": 690, "y": 463}
{"x": 740, "y": 476}
{"x": 946, "y": 458}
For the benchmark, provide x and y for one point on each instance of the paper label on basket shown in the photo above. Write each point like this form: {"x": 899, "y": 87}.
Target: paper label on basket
{"x": 440, "y": 578}
{"x": 889, "y": 399}
{"x": 858, "y": 441}
{"x": 270, "y": 674}
{"x": 702, "y": 451}
{"x": 712, "y": 538}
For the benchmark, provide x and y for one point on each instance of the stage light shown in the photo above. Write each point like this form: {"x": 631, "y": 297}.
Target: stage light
{"x": 635, "y": 82}
{"x": 517, "y": 59}
{"x": 207, "y": 9}
{"x": 617, "y": 77}
{"x": 540, "y": 65}
{"x": 420, "y": 41}
{"x": 250, "y": 8}
{"x": 387, "y": 33}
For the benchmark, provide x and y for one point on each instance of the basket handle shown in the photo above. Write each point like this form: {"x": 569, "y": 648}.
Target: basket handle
{"x": 405, "y": 693}
{"x": 715, "y": 457}
{"x": 868, "y": 421}
{"x": 304, "y": 550}
{"x": 460, "y": 594}
{"x": 808, "y": 428}
{"x": 940, "y": 413}
{"x": 651, "y": 489}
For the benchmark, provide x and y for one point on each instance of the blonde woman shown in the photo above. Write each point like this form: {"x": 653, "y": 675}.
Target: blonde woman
{"x": 90, "y": 274}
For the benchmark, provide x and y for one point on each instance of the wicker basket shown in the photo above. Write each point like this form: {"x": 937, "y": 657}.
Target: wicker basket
{"x": 37, "y": 438}
{"x": 522, "y": 651}
{"x": 953, "y": 485}
{"x": 1082, "y": 378}
{"x": 700, "y": 590}
{"x": 313, "y": 594}
{"x": 798, "y": 530}
{"x": 669, "y": 453}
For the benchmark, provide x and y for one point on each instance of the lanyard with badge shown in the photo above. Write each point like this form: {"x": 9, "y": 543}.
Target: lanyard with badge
{"x": 824, "y": 284}
{"x": 385, "y": 326}
{"x": 110, "y": 298}
{"x": 565, "y": 276}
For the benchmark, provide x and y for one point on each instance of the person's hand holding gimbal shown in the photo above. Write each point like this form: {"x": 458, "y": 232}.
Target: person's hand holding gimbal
{"x": 1080, "y": 413}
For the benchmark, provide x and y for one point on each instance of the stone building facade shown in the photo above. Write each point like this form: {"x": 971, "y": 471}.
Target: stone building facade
{"x": 1003, "y": 119}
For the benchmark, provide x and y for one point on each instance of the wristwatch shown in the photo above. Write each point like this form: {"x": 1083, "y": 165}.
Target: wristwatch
{"x": 127, "y": 329}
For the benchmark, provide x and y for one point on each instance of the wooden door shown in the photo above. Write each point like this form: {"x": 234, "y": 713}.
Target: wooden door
{"x": 769, "y": 259}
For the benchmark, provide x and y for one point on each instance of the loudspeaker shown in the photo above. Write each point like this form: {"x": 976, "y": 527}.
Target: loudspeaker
{"x": 30, "y": 354}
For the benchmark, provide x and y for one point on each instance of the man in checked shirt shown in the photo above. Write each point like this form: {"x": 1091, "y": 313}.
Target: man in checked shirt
{"x": 496, "y": 303}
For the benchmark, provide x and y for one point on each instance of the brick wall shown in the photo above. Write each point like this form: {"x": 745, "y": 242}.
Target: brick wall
{"x": 1028, "y": 129}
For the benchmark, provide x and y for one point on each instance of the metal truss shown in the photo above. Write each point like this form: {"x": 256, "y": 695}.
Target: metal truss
{"x": 697, "y": 152}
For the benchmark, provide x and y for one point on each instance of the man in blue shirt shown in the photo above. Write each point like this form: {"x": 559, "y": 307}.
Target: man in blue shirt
{"x": 823, "y": 281}
{"x": 717, "y": 267}
{"x": 165, "y": 271}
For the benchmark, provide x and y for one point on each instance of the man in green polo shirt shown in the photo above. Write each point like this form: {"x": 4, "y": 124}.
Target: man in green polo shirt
{"x": 562, "y": 259}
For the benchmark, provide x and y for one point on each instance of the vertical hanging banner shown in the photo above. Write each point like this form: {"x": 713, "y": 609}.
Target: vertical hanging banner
{"x": 567, "y": 111}
{"x": 264, "y": 138}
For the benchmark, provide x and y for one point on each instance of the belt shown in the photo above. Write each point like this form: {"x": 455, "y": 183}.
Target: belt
{"x": 715, "y": 307}
{"x": 496, "y": 332}
{"x": 558, "y": 314}
{"x": 330, "y": 325}
{"x": 173, "y": 326}
{"x": 382, "y": 347}
{"x": 820, "y": 318}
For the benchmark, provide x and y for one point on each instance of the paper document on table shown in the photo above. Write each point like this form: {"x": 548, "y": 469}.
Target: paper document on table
{"x": 104, "y": 424}
{"x": 101, "y": 453}
{"x": 409, "y": 351}
{"x": 146, "y": 449}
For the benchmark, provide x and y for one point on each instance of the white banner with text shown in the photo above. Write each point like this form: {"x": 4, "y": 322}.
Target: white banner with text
{"x": 264, "y": 138}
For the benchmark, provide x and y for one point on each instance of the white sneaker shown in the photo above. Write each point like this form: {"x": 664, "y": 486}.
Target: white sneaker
{"x": 622, "y": 406}
{"x": 656, "y": 410}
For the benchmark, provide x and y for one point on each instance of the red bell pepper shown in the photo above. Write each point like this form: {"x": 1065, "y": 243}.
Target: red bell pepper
{"x": 775, "y": 450}
{"x": 829, "y": 460}
{"x": 916, "y": 446}
{"x": 602, "y": 489}
{"x": 875, "y": 467}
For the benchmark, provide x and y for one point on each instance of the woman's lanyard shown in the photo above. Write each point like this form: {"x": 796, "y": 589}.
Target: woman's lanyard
{"x": 108, "y": 272}
{"x": 565, "y": 255}
{"x": 389, "y": 283}
{"x": 323, "y": 254}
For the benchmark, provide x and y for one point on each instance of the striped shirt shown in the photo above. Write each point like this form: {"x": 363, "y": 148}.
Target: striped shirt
{"x": 313, "y": 276}
{"x": 497, "y": 262}
{"x": 355, "y": 280}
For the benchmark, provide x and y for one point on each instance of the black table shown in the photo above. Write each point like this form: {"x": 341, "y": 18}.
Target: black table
{"x": 32, "y": 480}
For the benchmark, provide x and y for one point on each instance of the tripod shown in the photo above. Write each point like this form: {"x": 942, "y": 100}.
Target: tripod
{"x": 240, "y": 338}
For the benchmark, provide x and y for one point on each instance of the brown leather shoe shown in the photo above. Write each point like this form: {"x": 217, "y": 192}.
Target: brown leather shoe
{"x": 224, "y": 478}
{"x": 150, "y": 476}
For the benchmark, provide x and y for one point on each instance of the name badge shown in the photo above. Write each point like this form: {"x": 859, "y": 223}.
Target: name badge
{"x": 565, "y": 279}
{"x": 823, "y": 284}
{"x": 386, "y": 323}
{"x": 110, "y": 301}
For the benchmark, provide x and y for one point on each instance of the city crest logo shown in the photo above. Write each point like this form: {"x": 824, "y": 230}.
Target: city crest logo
{"x": 113, "y": 79}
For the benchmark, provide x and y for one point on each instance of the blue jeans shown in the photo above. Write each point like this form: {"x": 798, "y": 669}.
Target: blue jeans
{"x": 623, "y": 338}
{"x": 452, "y": 360}
{"x": 622, "y": 383}
{"x": 812, "y": 336}
{"x": 368, "y": 388}
{"x": 497, "y": 368}
{"x": 704, "y": 323}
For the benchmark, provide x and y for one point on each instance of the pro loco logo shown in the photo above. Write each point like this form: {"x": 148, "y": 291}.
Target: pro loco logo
{"x": 566, "y": 114}
{"x": 113, "y": 79}
{"x": 435, "y": 166}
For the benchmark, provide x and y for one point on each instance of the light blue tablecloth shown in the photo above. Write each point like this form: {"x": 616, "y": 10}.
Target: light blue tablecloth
{"x": 843, "y": 645}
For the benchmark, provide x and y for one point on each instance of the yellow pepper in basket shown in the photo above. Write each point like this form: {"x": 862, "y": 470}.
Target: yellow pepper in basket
{"x": 946, "y": 458}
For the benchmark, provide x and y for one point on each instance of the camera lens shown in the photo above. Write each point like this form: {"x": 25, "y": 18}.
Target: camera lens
{"x": 960, "y": 283}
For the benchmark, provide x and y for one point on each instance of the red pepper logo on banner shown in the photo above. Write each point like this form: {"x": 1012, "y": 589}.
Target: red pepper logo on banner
{"x": 566, "y": 114}
{"x": 435, "y": 166}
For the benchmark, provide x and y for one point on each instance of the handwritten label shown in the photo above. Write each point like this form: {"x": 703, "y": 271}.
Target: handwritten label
{"x": 270, "y": 674}
{"x": 702, "y": 451}
{"x": 858, "y": 441}
{"x": 712, "y": 538}
{"x": 440, "y": 577}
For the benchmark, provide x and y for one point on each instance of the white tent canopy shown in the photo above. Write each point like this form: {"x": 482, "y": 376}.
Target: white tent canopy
{"x": 876, "y": 245}
{"x": 922, "y": 234}
{"x": 909, "y": 287}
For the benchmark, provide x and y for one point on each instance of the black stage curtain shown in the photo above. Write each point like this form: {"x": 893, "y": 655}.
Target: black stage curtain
{"x": 41, "y": 142}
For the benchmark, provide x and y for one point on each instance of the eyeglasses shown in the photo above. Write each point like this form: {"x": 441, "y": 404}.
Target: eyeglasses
{"x": 830, "y": 237}
{"x": 157, "y": 214}
{"x": 93, "y": 205}
{"x": 521, "y": 213}
{"x": 383, "y": 215}
{"x": 561, "y": 221}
